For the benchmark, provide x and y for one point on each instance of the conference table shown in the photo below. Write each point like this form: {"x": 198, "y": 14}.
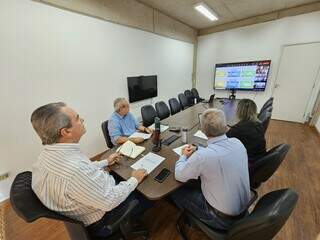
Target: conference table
{"x": 188, "y": 118}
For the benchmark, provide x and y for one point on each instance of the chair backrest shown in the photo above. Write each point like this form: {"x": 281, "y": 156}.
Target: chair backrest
{"x": 266, "y": 109}
{"x": 190, "y": 97}
{"x": 162, "y": 110}
{"x": 148, "y": 114}
{"x": 264, "y": 168}
{"x": 195, "y": 93}
{"x": 265, "y": 117}
{"x": 175, "y": 106}
{"x": 269, "y": 215}
{"x": 106, "y": 135}
{"x": 268, "y": 103}
{"x": 27, "y": 206}
{"x": 183, "y": 101}
{"x": 211, "y": 98}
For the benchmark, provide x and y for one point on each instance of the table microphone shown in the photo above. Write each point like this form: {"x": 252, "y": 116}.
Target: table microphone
{"x": 156, "y": 136}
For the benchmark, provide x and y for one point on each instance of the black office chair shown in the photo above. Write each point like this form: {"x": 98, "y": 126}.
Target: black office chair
{"x": 162, "y": 110}
{"x": 265, "y": 117}
{"x": 267, "y": 104}
{"x": 211, "y": 98}
{"x": 190, "y": 97}
{"x": 183, "y": 101}
{"x": 267, "y": 109}
{"x": 263, "y": 223}
{"x": 175, "y": 106}
{"x": 27, "y": 206}
{"x": 148, "y": 114}
{"x": 106, "y": 135}
{"x": 263, "y": 168}
{"x": 195, "y": 94}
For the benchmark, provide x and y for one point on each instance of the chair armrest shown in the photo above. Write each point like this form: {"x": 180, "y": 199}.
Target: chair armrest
{"x": 117, "y": 219}
{"x": 254, "y": 196}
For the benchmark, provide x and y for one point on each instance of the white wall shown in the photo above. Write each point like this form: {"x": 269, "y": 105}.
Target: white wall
{"x": 49, "y": 55}
{"x": 318, "y": 125}
{"x": 256, "y": 42}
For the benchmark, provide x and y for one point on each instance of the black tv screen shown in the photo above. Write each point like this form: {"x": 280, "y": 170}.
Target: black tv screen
{"x": 142, "y": 87}
{"x": 242, "y": 75}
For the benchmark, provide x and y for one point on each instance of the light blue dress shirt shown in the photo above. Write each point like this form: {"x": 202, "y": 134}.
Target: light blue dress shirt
{"x": 121, "y": 126}
{"x": 223, "y": 170}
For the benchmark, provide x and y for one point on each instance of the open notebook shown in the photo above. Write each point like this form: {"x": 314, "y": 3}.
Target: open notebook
{"x": 162, "y": 127}
{"x": 130, "y": 149}
{"x": 145, "y": 136}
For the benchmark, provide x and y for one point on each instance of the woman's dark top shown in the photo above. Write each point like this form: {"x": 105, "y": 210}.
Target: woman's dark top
{"x": 251, "y": 134}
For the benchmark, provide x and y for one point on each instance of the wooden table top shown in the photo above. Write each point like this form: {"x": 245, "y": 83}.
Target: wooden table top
{"x": 188, "y": 118}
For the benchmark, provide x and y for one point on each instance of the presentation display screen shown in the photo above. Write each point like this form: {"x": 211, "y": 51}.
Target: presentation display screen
{"x": 242, "y": 75}
{"x": 142, "y": 87}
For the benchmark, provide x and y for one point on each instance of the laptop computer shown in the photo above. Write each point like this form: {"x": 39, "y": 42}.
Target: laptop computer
{"x": 210, "y": 99}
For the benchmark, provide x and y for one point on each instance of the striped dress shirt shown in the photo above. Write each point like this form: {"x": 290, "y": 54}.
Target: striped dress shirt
{"x": 68, "y": 182}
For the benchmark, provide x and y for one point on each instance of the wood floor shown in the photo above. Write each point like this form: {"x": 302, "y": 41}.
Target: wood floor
{"x": 300, "y": 171}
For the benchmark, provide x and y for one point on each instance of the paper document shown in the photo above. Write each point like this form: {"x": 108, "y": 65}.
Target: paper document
{"x": 178, "y": 150}
{"x": 145, "y": 136}
{"x": 149, "y": 162}
{"x": 130, "y": 149}
{"x": 162, "y": 127}
{"x": 200, "y": 134}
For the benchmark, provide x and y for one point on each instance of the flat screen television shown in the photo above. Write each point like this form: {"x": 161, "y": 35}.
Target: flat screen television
{"x": 242, "y": 75}
{"x": 142, "y": 87}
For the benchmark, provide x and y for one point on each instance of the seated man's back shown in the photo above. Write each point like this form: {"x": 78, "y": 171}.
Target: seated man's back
{"x": 224, "y": 175}
{"x": 223, "y": 170}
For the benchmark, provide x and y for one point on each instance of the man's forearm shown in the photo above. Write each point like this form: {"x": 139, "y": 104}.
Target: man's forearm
{"x": 142, "y": 128}
{"x": 179, "y": 167}
{"x": 121, "y": 140}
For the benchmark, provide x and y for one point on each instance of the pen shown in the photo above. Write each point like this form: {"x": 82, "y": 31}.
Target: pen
{"x": 131, "y": 152}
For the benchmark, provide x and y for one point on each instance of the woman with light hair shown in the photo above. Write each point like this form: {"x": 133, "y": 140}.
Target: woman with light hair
{"x": 249, "y": 130}
{"x": 222, "y": 167}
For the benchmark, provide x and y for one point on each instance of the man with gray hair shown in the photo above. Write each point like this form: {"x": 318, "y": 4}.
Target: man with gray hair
{"x": 122, "y": 123}
{"x": 222, "y": 168}
{"x": 67, "y": 181}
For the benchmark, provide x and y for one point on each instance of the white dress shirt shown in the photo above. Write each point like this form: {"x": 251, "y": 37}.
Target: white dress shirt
{"x": 223, "y": 170}
{"x": 68, "y": 182}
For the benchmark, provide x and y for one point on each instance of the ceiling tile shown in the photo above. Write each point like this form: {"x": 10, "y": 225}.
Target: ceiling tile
{"x": 227, "y": 10}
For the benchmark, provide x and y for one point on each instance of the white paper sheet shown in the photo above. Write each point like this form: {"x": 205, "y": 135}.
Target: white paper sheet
{"x": 149, "y": 162}
{"x": 178, "y": 150}
{"x": 145, "y": 136}
{"x": 200, "y": 134}
{"x": 162, "y": 127}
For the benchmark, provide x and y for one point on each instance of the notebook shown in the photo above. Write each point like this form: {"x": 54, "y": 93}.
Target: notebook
{"x": 200, "y": 134}
{"x": 130, "y": 149}
{"x": 178, "y": 150}
{"x": 145, "y": 136}
{"x": 162, "y": 127}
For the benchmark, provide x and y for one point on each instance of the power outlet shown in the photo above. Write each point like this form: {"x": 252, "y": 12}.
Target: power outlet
{"x": 4, "y": 176}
